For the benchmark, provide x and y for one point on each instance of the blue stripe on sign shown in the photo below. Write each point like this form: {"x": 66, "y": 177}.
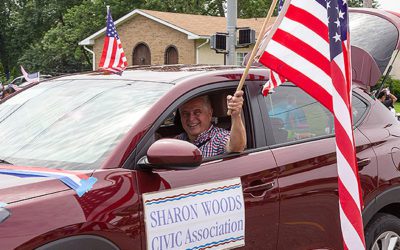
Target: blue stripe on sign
{"x": 192, "y": 195}
{"x": 216, "y": 243}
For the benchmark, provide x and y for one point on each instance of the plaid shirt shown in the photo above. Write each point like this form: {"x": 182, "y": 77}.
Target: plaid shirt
{"x": 211, "y": 142}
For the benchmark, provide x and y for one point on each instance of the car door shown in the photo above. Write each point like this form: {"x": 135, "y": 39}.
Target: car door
{"x": 255, "y": 167}
{"x": 306, "y": 157}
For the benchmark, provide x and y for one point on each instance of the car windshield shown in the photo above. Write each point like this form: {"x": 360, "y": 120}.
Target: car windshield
{"x": 72, "y": 124}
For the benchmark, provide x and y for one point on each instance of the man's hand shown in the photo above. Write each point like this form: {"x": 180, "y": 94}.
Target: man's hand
{"x": 235, "y": 103}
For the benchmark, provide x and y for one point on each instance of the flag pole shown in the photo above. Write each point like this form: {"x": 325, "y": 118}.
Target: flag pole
{"x": 253, "y": 52}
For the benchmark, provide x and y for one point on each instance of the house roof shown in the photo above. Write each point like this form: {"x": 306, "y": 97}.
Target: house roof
{"x": 195, "y": 26}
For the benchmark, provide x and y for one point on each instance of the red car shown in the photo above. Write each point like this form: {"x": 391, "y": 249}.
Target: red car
{"x": 80, "y": 154}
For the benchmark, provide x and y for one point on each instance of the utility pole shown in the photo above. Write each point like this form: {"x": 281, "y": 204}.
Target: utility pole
{"x": 231, "y": 19}
{"x": 367, "y": 3}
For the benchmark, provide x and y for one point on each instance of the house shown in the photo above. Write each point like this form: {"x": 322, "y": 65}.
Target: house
{"x": 154, "y": 37}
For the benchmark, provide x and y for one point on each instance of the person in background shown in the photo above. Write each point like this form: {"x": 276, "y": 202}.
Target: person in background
{"x": 387, "y": 99}
{"x": 196, "y": 115}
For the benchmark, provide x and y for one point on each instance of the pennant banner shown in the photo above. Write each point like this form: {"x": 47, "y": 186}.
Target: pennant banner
{"x": 79, "y": 182}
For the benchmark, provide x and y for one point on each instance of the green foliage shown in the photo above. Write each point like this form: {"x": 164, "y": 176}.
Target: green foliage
{"x": 58, "y": 51}
{"x": 26, "y": 23}
{"x": 253, "y": 8}
{"x": 201, "y": 7}
{"x": 397, "y": 107}
{"x": 43, "y": 35}
{"x": 392, "y": 84}
{"x": 359, "y": 3}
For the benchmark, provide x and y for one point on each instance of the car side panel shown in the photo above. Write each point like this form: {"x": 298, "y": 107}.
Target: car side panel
{"x": 309, "y": 197}
{"x": 261, "y": 208}
{"x": 110, "y": 210}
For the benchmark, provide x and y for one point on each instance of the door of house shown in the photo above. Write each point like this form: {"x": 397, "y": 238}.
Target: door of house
{"x": 171, "y": 55}
{"x": 141, "y": 55}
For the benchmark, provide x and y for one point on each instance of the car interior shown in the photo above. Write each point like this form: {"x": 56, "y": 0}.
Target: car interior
{"x": 171, "y": 127}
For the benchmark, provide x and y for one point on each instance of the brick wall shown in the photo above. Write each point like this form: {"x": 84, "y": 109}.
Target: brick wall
{"x": 157, "y": 36}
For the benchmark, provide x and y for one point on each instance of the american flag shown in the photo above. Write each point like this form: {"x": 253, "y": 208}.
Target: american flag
{"x": 309, "y": 47}
{"x": 113, "y": 57}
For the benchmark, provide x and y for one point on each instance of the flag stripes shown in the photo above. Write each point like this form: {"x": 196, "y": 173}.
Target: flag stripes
{"x": 309, "y": 47}
{"x": 290, "y": 68}
{"x": 306, "y": 35}
{"x": 309, "y": 20}
{"x": 304, "y": 49}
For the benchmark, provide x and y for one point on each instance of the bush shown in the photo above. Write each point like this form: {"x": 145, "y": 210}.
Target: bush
{"x": 393, "y": 84}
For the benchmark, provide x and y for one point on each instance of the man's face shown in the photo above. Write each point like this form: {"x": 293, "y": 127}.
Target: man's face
{"x": 195, "y": 117}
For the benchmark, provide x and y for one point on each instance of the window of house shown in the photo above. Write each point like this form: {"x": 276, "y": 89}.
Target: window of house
{"x": 171, "y": 55}
{"x": 240, "y": 57}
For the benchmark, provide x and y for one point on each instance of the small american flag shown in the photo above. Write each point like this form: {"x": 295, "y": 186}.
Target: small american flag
{"x": 309, "y": 46}
{"x": 280, "y": 6}
{"x": 113, "y": 57}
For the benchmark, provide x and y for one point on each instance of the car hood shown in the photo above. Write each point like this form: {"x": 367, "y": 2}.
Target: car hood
{"x": 375, "y": 31}
{"x": 14, "y": 188}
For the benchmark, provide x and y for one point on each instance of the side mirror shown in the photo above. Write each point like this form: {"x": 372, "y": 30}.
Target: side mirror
{"x": 172, "y": 154}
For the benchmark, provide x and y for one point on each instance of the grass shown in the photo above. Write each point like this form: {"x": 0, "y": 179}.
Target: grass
{"x": 397, "y": 107}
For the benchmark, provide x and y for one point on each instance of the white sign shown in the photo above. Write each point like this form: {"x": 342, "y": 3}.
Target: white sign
{"x": 206, "y": 216}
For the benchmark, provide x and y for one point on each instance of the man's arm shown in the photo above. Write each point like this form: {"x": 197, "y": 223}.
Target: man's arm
{"x": 237, "y": 139}
{"x": 393, "y": 97}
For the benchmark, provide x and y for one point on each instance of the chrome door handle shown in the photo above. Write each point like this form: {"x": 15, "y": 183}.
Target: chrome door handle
{"x": 261, "y": 187}
{"x": 362, "y": 163}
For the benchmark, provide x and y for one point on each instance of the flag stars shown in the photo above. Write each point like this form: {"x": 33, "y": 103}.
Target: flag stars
{"x": 336, "y": 37}
{"x": 337, "y": 23}
{"x": 341, "y": 14}
{"x": 328, "y": 4}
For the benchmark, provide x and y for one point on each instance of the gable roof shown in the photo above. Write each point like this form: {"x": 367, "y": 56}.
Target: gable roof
{"x": 195, "y": 26}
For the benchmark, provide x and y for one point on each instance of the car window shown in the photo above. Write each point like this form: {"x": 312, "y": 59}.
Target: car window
{"x": 295, "y": 115}
{"x": 74, "y": 122}
{"x": 171, "y": 126}
{"x": 359, "y": 107}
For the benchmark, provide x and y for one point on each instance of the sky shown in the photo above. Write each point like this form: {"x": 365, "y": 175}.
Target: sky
{"x": 390, "y": 5}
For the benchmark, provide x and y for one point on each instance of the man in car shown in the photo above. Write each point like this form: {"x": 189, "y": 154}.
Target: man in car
{"x": 196, "y": 117}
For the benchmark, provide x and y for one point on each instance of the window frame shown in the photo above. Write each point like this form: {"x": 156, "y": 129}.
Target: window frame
{"x": 253, "y": 129}
{"x": 270, "y": 139}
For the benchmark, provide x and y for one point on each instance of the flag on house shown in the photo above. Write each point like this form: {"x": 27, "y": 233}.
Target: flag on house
{"x": 113, "y": 57}
{"x": 309, "y": 46}
{"x": 30, "y": 78}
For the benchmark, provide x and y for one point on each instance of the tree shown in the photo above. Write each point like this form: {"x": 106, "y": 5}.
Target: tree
{"x": 253, "y": 8}
{"x": 58, "y": 51}
{"x": 359, "y": 3}
{"x": 200, "y": 7}
{"x": 25, "y": 23}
